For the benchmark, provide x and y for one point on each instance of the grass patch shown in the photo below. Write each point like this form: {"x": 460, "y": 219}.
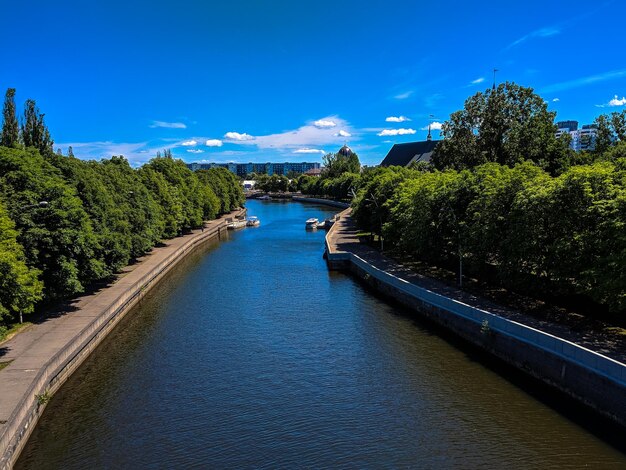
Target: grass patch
{"x": 12, "y": 330}
{"x": 4, "y": 364}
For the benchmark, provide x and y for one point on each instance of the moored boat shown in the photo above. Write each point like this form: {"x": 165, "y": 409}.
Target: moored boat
{"x": 311, "y": 223}
{"x": 236, "y": 224}
{"x": 253, "y": 221}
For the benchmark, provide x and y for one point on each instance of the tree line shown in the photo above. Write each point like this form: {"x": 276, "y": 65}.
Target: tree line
{"x": 507, "y": 197}
{"x": 512, "y": 201}
{"x": 67, "y": 223}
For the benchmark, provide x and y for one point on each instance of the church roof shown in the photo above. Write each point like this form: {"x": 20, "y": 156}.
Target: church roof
{"x": 345, "y": 151}
{"x": 404, "y": 154}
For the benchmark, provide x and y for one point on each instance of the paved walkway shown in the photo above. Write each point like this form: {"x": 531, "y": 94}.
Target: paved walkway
{"x": 343, "y": 238}
{"x": 29, "y": 350}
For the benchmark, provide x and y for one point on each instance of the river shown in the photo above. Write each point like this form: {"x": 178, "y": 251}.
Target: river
{"x": 251, "y": 354}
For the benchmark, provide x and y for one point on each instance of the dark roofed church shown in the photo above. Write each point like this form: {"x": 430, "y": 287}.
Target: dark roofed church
{"x": 405, "y": 154}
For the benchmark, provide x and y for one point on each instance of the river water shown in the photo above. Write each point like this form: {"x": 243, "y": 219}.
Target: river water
{"x": 251, "y": 354}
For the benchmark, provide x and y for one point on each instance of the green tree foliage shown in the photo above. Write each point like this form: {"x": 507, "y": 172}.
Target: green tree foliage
{"x": 516, "y": 226}
{"x": 335, "y": 164}
{"x": 507, "y": 126}
{"x": 375, "y": 188}
{"x": 611, "y": 130}
{"x": 58, "y": 239}
{"x": 97, "y": 216}
{"x": 34, "y": 131}
{"x": 10, "y": 129}
{"x": 226, "y": 186}
{"x": 199, "y": 202}
{"x": 20, "y": 288}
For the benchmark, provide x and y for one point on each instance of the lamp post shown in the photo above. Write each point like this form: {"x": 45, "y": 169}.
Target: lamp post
{"x": 380, "y": 219}
{"x": 39, "y": 204}
{"x": 460, "y": 249}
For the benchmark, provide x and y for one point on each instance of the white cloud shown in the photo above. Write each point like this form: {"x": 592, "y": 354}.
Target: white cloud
{"x": 195, "y": 151}
{"x": 404, "y": 96}
{"x": 397, "y": 119}
{"x": 555, "y": 100}
{"x": 613, "y": 103}
{"x": 584, "y": 81}
{"x": 189, "y": 143}
{"x": 387, "y": 132}
{"x": 324, "y": 124}
{"x": 307, "y": 150}
{"x": 435, "y": 126}
{"x": 477, "y": 81}
{"x": 213, "y": 143}
{"x": 539, "y": 33}
{"x": 343, "y": 133}
{"x": 307, "y": 136}
{"x": 168, "y": 125}
{"x": 237, "y": 136}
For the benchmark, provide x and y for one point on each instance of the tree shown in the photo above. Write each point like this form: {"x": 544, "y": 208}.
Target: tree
{"x": 34, "y": 130}
{"x": 505, "y": 125}
{"x": 610, "y": 130}
{"x": 58, "y": 239}
{"x": 10, "y": 129}
{"x": 20, "y": 287}
{"x": 335, "y": 164}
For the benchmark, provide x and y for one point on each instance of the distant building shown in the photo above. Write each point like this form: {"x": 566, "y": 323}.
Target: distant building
{"x": 405, "y": 154}
{"x": 244, "y": 169}
{"x": 313, "y": 172}
{"x": 581, "y": 139}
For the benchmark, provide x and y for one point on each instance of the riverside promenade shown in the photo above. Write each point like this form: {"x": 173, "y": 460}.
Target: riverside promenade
{"x": 43, "y": 356}
{"x": 584, "y": 364}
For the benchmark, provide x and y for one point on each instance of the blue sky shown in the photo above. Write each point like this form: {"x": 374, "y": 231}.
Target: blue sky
{"x": 289, "y": 80}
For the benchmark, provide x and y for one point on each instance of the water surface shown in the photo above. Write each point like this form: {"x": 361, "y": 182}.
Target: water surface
{"x": 251, "y": 354}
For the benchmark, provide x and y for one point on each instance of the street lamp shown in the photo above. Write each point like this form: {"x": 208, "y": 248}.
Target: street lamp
{"x": 460, "y": 249}
{"x": 39, "y": 204}
{"x": 380, "y": 218}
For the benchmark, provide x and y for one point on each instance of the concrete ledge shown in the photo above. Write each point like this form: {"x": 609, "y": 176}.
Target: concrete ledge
{"x": 69, "y": 356}
{"x": 328, "y": 202}
{"x": 592, "y": 378}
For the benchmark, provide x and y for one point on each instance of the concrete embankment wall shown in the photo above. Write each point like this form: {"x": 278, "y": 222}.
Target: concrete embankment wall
{"x": 59, "y": 368}
{"x": 327, "y": 202}
{"x": 591, "y": 378}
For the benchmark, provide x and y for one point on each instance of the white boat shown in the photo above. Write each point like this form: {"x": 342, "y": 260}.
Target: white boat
{"x": 253, "y": 221}
{"x": 311, "y": 223}
{"x": 237, "y": 224}
{"x": 265, "y": 198}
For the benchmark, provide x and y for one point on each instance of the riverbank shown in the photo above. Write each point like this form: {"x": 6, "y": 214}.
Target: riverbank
{"x": 563, "y": 358}
{"x": 298, "y": 197}
{"x": 43, "y": 357}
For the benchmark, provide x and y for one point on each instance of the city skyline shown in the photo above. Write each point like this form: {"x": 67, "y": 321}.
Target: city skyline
{"x": 245, "y": 82}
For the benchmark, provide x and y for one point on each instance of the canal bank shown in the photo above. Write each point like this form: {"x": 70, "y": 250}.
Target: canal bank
{"x": 42, "y": 358}
{"x": 555, "y": 356}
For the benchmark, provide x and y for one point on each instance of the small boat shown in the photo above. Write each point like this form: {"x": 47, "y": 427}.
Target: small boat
{"x": 328, "y": 223}
{"x": 265, "y": 198}
{"x": 311, "y": 223}
{"x": 322, "y": 225}
{"x": 253, "y": 222}
{"x": 237, "y": 224}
